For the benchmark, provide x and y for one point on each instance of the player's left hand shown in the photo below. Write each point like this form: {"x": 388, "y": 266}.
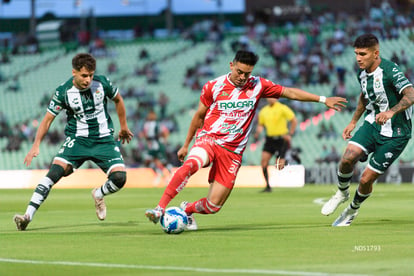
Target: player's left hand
{"x": 336, "y": 103}
{"x": 383, "y": 117}
{"x": 125, "y": 135}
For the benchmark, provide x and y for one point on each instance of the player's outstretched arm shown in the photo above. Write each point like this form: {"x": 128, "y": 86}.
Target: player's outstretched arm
{"x": 336, "y": 103}
{"x": 40, "y": 134}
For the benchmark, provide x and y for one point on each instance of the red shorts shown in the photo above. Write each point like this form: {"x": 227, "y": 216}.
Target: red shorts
{"x": 224, "y": 163}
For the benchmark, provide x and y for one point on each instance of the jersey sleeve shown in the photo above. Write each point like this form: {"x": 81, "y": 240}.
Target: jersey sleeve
{"x": 206, "y": 96}
{"x": 271, "y": 89}
{"x": 57, "y": 103}
{"x": 398, "y": 79}
{"x": 110, "y": 90}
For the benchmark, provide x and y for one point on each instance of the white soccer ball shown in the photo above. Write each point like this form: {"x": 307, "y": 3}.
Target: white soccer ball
{"x": 174, "y": 220}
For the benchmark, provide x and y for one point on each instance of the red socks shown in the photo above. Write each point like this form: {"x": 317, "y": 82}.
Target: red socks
{"x": 202, "y": 206}
{"x": 178, "y": 181}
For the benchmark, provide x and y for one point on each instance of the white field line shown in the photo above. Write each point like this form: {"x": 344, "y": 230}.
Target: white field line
{"x": 175, "y": 268}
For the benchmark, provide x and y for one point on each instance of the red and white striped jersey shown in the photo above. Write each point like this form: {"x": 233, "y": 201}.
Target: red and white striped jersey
{"x": 231, "y": 109}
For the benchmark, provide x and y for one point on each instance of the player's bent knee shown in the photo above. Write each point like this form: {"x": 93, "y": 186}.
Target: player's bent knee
{"x": 118, "y": 178}
{"x": 68, "y": 170}
{"x": 55, "y": 172}
{"x": 200, "y": 155}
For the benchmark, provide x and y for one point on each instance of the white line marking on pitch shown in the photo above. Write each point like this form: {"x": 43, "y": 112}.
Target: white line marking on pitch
{"x": 177, "y": 268}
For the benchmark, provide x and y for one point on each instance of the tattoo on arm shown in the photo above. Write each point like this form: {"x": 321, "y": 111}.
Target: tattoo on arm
{"x": 406, "y": 101}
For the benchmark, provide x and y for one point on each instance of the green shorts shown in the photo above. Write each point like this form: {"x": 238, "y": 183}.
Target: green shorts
{"x": 103, "y": 152}
{"x": 155, "y": 150}
{"x": 385, "y": 150}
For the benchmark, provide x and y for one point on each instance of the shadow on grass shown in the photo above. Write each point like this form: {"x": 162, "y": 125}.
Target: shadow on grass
{"x": 133, "y": 226}
{"x": 263, "y": 227}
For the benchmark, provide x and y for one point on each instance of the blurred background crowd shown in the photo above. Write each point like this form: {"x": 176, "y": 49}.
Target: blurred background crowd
{"x": 161, "y": 61}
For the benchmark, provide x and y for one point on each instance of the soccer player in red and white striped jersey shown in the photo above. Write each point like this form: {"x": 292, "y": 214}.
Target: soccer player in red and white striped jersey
{"x": 221, "y": 126}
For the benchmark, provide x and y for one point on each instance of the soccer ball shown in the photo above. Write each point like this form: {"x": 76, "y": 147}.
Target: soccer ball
{"x": 174, "y": 220}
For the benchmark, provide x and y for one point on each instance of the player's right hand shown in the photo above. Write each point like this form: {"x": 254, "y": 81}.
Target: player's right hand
{"x": 182, "y": 153}
{"x": 34, "y": 152}
{"x": 346, "y": 134}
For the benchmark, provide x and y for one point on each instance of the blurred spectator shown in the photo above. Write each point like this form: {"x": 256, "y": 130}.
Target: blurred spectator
{"x": 156, "y": 136}
{"x": 328, "y": 156}
{"x": 14, "y": 85}
{"x": 112, "y": 67}
{"x": 98, "y": 48}
{"x": 143, "y": 54}
{"x": 5, "y": 58}
{"x": 394, "y": 58}
{"x": 339, "y": 89}
{"x": 163, "y": 101}
{"x": 15, "y": 139}
{"x": 327, "y": 131}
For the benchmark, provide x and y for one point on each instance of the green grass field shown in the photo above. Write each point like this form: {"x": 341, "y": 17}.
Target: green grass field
{"x": 281, "y": 233}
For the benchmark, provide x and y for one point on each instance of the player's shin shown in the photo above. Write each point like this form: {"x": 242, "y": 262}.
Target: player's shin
{"x": 358, "y": 199}
{"x": 202, "y": 206}
{"x": 344, "y": 180}
{"x": 43, "y": 188}
{"x": 39, "y": 195}
{"x": 116, "y": 180}
{"x": 178, "y": 181}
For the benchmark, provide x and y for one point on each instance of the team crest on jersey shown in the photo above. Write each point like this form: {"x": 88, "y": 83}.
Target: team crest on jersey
{"x": 377, "y": 83}
{"x": 98, "y": 95}
{"x": 224, "y": 94}
{"x": 388, "y": 155}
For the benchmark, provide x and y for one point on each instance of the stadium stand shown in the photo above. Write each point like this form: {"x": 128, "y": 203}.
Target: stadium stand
{"x": 40, "y": 73}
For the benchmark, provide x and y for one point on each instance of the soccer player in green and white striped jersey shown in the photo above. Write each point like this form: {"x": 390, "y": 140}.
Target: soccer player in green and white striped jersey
{"x": 386, "y": 98}
{"x": 89, "y": 135}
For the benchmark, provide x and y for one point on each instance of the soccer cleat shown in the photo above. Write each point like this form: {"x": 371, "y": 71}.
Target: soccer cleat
{"x": 346, "y": 218}
{"x": 267, "y": 190}
{"x": 333, "y": 203}
{"x": 154, "y": 215}
{"x": 192, "y": 224}
{"x": 21, "y": 221}
{"x": 99, "y": 206}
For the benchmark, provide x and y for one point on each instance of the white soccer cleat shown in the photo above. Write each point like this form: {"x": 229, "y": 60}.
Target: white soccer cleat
{"x": 346, "y": 218}
{"x": 154, "y": 215}
{"x": 192, "y": 224}
{"x": 338, "y": 198}
{"x": 21, "y": 221}
{"x": 99, "y": 206}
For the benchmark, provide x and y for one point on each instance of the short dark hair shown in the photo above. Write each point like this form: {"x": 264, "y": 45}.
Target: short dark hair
{"x": 84, "y": 60}
{"x": 366, "y": 41}
{"x": 246, "y": 57}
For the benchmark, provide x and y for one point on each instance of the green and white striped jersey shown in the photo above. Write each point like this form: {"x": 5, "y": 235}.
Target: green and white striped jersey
{"x": 382, "y": 88}
{"x": 86, "y": 110}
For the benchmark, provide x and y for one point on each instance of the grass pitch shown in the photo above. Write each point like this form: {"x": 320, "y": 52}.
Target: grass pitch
{"x": 279, "y": 233}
